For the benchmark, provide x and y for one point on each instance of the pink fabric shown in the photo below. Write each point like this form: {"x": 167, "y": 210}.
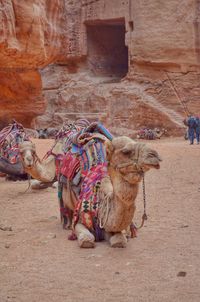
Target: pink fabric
{"x": 70, "y": 165}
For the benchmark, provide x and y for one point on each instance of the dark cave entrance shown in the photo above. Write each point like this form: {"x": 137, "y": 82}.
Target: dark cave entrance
{"x": 107, "y": 52}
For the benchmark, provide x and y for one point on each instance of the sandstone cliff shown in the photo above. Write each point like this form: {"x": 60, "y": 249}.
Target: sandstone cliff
{"x": 31, "y": 37}
{"x": 128, "y": 63}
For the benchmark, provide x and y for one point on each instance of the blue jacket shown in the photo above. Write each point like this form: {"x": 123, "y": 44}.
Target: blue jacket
{"x": 197, "y": 125}
{"x": 192, "y": 123}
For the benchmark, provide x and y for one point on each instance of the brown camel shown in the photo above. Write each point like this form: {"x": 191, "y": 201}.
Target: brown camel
{"x": 127, "y": 162}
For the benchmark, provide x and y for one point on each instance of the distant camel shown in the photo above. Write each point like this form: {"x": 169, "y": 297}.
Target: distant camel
{"x": 44, "y": 133}
{"x": 10, "y": 162}
{"x": 151, "y": 134}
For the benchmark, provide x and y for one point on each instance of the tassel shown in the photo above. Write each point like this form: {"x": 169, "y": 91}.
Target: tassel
{"x": 72, "y": 236}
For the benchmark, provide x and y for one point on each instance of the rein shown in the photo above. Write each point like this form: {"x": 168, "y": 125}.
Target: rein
{"x": 144, "y": 216}
{"x": 133, "y": 227}
{"x": 127, "y": 164}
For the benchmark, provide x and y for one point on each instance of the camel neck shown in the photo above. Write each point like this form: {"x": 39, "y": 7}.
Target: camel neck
{"x": 44, "y": 170}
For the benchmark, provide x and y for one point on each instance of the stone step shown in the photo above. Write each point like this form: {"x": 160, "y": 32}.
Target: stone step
{"x": 137, "y": 89}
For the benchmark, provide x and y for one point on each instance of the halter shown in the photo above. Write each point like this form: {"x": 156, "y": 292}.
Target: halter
{"x": 34, "y": 154}
{"x": 132, "y": 162}
{"x": 140, "y": 171}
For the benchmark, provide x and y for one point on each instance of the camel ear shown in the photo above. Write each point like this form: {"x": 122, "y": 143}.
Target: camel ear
{"x": 109, "y": 149}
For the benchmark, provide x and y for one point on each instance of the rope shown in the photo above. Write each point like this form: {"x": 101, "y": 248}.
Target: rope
{"x": 104, "y": 209}
{"x": 29, "y": 184}
{"x": 178, "y": 96}
{"x": 144, "y": 216}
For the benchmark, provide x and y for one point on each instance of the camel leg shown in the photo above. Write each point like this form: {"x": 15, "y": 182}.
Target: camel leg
{"x": 85, "y": 238}
{"x": 38, "y": 185}
{"x": 118, "y": 240}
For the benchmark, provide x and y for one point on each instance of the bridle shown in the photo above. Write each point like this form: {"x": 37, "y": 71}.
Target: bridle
{"x": 133, "y": 162}
{"x": 141, "y": 172}
{"x": 33, "y": 153}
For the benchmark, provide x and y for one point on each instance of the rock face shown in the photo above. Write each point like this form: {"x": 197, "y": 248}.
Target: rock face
{"x": 31, "y": 36}
{"x": 20, "y": 94}
{"x": 127, "y": 63}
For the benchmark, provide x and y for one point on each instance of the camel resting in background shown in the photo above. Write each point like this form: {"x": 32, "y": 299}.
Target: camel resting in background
{"x": 47, "y": 133}
{"x": 43, "y": 170}
{"x": 6, "y": 167}
{"x": 10, "y": 163}
{"x": 151, "y": 134}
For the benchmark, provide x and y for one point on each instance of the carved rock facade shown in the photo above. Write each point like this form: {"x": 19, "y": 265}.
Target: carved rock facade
{"x": 127, "y": 63}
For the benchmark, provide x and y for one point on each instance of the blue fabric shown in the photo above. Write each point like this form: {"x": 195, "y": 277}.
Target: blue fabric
{"x": 192, "y": 122}
{"x": 191, "y": 132}
{"x": 75, "y": 149}
{"x": 105, "y": 131}
{"x": 198, "y": 125}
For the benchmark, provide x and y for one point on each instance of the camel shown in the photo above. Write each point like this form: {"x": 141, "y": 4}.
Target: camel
{"x": 10, "y": 163}
{"x": 47, "y": 133}
{"x": 127, "y": 162}
{"x": 10, "y": 137}
{"x": 12, "y": 169}
{"x": 151, "y": 134}
{"x": 44, "y": 171}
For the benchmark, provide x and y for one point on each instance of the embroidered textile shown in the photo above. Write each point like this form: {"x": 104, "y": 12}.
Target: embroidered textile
{"x": 10, "y": 137}
{"x": 85, "y": 157}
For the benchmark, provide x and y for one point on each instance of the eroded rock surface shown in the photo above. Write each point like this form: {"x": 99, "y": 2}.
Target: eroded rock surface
{"x": 31, "y": 37}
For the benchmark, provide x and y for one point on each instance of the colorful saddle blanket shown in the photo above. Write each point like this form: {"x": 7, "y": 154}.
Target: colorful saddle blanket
{"x": 85, "y": 154}
{"x": 10, "y": 137}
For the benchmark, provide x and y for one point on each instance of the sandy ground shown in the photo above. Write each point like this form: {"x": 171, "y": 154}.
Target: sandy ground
{"x": 38, "y": 262}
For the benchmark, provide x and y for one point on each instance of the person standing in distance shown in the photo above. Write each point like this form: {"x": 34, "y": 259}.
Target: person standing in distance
{"x": 197, "y": 132}
{"x": 191, "y": 128}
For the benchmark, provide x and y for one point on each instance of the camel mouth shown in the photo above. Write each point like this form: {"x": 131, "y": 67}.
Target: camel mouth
{"x": 156, "y": 166}
{"x": 29, "y": 166}
{"x": 152, "y": 165}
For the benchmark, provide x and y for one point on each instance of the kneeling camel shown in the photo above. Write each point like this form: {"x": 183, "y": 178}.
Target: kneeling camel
{"x": 127, "y": 162}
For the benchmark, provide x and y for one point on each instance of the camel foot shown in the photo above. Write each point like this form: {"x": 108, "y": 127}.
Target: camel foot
{"x": 118, "y": 240}
{"x": 38, "y": 185}
{"x": 85, "y": 238}
{"x": 86, "y": 241}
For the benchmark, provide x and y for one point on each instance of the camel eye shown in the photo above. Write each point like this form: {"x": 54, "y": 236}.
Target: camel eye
{"x": 151, "y": 154}
{"x": 127, "y": 151}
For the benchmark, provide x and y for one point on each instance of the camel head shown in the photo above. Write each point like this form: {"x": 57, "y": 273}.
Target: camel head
{"x": 28, "y": 154}
{"x": 131, "y": 159}
{"x": 42, "y": 133}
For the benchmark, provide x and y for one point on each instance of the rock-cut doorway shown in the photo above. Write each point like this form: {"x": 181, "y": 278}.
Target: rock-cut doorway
{"x": 107, "y": 53}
